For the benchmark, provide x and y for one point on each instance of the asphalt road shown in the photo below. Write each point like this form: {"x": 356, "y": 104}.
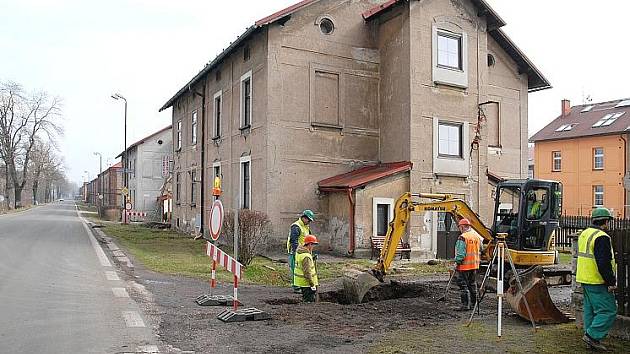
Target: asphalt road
{"x": 59, "y": 293}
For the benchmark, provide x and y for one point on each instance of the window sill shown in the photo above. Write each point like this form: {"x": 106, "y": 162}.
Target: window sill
{"x": 452, "y": 68}
{"x": 327, "y": 126}
{"x": 450, "y": 157}
{"x": 193, "y": 205}
{"x": 598, "y": 169}
{"x": 556, "y": 170}
{"x": 245, "y": 127}
{"x": 215, "y": 138}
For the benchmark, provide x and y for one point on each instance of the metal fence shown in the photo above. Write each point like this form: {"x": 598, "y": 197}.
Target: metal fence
{"x": 620, "y": 233}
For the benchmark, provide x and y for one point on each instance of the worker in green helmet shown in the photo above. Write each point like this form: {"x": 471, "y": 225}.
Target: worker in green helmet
{"x": 596, "y": 272}
{"x": 299, "y": 230}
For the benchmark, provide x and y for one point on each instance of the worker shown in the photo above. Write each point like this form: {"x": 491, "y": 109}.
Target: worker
{"x": 467, "y": 257}
{"x": 533, "y": 206}
{"x": 596, "y": 273}
{"x": 299, "y": 230}
{"x": 305, "y": 274}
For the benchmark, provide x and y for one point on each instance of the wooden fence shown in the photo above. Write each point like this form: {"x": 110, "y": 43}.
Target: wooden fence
{"x": 620, "y": 233}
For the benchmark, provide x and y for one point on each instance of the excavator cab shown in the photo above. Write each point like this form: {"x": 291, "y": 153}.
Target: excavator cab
{"x": 528, "y": 211}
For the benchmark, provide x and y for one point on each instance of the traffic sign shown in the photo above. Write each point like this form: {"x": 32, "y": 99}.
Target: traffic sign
{"x": 216, "y": 219}
{"x": 128, "y": 206}
{"x": 124, "y": 191}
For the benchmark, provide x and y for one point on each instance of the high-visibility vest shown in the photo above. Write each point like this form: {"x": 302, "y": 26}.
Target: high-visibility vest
{"x": 298, "y": 273}
{"x": 587, "y": 271}
{"x": 304, "y": 230}
{"x": 472, "y": 259}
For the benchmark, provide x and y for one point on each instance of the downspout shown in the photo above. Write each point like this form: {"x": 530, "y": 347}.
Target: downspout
{"x": 625, "y": 173}
{"x": 203, "y": 152}
{"x": 351, "y": 244}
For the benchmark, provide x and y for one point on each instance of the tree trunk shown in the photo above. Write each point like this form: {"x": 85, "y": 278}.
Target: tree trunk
{"x": 17, "y": 199}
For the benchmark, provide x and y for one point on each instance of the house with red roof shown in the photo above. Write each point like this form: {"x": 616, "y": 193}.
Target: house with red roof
{"x": 586, "y": 148}
{"x": 341, "y": 106}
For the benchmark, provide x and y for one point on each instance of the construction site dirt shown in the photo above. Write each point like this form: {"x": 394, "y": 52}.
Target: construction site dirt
{"x": 403, "y": 316}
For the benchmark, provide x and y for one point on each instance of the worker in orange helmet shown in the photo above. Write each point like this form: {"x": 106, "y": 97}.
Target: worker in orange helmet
{"x": 467, "y": 257}
{"x": 305, "y": 272}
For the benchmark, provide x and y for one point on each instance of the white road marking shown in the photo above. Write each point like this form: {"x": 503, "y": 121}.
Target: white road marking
{"x": 102, "y": 258}
{"x": 133, "y": 319}
{"x": 120, "y": 292}
{"x": 111, "y": 275}
{"x": 147, "y": 349}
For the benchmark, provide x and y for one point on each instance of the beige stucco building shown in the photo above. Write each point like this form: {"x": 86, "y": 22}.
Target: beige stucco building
{"x": 326, "y": 87}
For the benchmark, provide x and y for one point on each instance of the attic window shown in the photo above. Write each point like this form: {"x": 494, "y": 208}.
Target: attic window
{"x": 565, "y": 127}
{"x": 246, "y": 53}
{"x": 326, "y": 26}
{"x": 624, "y": 103}
{"x": 491, "y": 60}
{"x": 587, "y": 109}
{"x": 608, "y": 119}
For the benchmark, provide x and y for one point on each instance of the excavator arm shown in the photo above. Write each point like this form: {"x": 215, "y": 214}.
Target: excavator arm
{"x": 405, "y": 205}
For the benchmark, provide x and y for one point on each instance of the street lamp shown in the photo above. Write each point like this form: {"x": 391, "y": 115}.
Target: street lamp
{"x": 100, "y": 184}
{"x": 118, "y": 96}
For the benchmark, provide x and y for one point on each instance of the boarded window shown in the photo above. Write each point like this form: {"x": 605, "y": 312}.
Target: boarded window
{"x": 493, "y": 121}
{"x": 325, "y": 99}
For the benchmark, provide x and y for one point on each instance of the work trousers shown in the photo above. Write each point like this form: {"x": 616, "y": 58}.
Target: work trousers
{"x": 308, "y": 294}
{"x": 600, "y": 310}
{"x": 467, "y": 282}
{"x": 292, "y": 270}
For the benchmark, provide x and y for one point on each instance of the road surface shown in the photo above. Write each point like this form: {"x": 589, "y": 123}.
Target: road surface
{"x": 59, "y": 293}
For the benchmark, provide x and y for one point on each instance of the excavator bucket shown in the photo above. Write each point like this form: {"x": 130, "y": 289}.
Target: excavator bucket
{"x": 356, "y": 284}
{"x": 536, "y": 292}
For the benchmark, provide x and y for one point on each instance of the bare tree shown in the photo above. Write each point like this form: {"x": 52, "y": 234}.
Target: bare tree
{"x": 24, "y": 118}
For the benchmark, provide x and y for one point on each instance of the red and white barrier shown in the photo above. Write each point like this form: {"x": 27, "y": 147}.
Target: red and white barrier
{"x": 229, "y": 263}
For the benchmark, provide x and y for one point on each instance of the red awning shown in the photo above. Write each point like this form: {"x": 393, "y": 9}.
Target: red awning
{"x": 362, "y": 176}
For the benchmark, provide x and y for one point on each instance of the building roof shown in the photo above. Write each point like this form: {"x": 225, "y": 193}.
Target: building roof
{"x": 362, "y": 176}
{"x": 227, "y": 51}
{"x": 582, "y": 121}
{"x": 536, "y": 80}
{"x": 145, "y": 139}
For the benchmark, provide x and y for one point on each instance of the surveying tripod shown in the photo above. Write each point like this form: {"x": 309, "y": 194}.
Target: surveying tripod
{"x": 500, "y": 254}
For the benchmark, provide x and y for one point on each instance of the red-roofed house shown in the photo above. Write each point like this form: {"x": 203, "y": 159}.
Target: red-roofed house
{"x": 326, "y": 87}
{"x": 586, "y": 148}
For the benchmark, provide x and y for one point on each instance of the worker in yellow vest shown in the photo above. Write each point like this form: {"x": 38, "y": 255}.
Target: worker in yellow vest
{"x": 467, "y": 257}
{"x": 299, "y": 230}
{"x": 596, "y": 272}
{"x": 305, "y": 274}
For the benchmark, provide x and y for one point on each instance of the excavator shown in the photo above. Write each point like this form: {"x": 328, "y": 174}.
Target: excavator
{"x": 526, "y": 213}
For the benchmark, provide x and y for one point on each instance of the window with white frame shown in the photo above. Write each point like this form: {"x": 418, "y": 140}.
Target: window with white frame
{"x": 557, "y": 161}
{"x": 179, "y": 134}
{"x": 193, "y": 128}
{"x": 382, "y": 215}
{"x": 449, "y": 48}
{"x": 245, "y": 182}
{"x": 216, "y": 126}
{"x": 598, "y": 196}
{"x": 598, "y": 158}
{"x": 246, "y": 100}
{"x": 449, "y": 140}
{"x": 193, "y": 176}
{"x": 450, "y": 57}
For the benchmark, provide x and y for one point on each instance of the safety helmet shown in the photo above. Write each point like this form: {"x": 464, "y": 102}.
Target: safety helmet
{"x": 464, "y": 222}
{"x": 309, "y": 214}
{"x": 601, "y": 213}
{"x": 308, "y": 239}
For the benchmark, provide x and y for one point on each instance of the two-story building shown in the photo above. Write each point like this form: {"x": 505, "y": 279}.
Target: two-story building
{"x": 340, "y": 106}
{"x": 586, "y": 148}
{"x": 148, "y": 162}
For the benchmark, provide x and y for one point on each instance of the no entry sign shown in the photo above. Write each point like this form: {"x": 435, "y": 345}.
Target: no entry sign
{"x": 216, "y": 219}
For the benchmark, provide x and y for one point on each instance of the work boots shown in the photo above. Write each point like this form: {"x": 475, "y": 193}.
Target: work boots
{"x": 594, "y": 343}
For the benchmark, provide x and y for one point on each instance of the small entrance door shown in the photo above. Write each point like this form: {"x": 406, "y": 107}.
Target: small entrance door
{"x": 447, "y": 234}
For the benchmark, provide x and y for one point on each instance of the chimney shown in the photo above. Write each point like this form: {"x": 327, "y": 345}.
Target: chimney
{"x": 566, "y": 107}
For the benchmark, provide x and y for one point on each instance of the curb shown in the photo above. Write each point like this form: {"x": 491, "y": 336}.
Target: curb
{"x": 117, "y": 253}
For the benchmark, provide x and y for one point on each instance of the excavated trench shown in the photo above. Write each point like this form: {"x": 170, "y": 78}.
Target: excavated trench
{"x": 381, "y": 292}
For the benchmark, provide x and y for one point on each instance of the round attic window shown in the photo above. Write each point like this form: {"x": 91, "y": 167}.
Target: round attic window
{"x": 326, "y": 25}
{"x": 491, "y": 60}
{"x": 160, "y": 142}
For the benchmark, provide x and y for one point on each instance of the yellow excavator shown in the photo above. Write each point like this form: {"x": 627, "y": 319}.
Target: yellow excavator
{"x": 527, "y": 211}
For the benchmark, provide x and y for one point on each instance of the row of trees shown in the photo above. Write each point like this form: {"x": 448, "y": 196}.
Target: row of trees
{"x": 30, "y": 124}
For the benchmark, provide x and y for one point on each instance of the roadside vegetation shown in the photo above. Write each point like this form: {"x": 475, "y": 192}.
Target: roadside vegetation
{"x": 170, "y": 252}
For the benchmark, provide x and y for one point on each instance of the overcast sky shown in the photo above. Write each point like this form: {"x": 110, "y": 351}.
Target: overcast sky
{"x": 83, "y": 51}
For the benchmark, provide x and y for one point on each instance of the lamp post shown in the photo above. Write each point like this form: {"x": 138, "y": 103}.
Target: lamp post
{"x": 118, "y": 96}
{"x": 100, "y": 182}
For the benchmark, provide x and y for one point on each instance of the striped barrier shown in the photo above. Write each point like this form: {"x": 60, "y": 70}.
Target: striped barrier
{"x": 229, "y": 263}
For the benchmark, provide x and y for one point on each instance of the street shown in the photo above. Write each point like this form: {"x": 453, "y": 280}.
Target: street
{"x": 58, "y": 294}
